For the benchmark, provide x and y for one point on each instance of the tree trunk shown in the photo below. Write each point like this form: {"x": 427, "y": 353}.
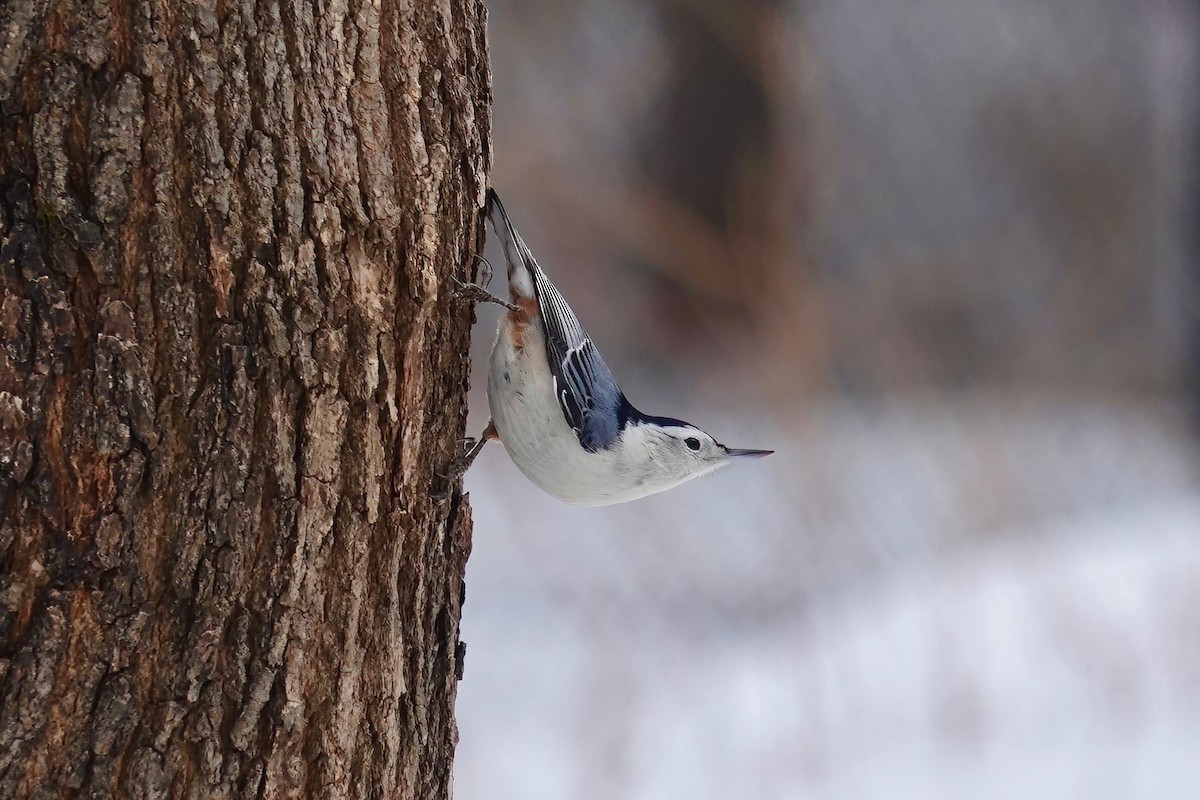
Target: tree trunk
{"x": 230, "y": 372}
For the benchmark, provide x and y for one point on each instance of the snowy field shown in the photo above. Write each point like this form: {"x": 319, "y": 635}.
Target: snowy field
{"x": 992, "y": 598}
{"x": 988, "y": 596}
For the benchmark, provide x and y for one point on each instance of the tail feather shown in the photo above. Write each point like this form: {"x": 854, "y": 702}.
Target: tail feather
{"x": 521, "y": 264}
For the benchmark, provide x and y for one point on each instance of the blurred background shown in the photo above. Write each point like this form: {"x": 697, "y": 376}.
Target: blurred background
{"x": 942, "y": 255}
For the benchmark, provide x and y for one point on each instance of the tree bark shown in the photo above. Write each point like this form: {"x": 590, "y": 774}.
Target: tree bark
{"x": 230, "y": 373}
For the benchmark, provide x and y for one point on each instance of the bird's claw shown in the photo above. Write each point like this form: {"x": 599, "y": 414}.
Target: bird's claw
{"x": 465, "y": 446}
{"x": 477, "y": 294}
{"x": 468, "y": 449}
{"x": 484, "y": 275}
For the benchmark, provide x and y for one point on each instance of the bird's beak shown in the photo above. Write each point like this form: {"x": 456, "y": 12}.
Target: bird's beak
{"x": 734, "y": 452}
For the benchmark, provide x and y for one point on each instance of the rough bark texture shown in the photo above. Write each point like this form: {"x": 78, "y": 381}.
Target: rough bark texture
{"x": 230, "y": 371}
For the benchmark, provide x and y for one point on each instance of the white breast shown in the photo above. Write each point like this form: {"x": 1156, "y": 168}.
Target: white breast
{"x": 536, "y": 435}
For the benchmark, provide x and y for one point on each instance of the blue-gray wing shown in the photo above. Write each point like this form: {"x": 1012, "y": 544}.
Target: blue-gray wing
{"x": 586, "y": 389}
{"x": 590, "y": 400}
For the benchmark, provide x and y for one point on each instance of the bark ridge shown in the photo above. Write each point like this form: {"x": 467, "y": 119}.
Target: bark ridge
{"x": 230, "y": 371}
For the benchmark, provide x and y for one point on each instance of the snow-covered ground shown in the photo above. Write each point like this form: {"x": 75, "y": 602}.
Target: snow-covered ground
{"x": 985, "y": 598}
{"x": 990, "y": 596}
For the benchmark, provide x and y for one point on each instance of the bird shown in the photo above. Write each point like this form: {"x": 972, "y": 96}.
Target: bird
{"x": 555, "y": 406}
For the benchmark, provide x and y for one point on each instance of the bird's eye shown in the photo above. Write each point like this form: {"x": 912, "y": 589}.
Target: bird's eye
{"x": 692, "y": 442}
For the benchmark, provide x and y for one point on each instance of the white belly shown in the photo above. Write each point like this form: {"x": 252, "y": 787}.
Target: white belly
{"x": 536, "y": 435}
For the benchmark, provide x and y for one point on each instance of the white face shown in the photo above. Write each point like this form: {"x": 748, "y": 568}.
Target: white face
{"x": 674, "y": 454}
{"x": 651, "y": 457}
{"x": 695, "y": 446}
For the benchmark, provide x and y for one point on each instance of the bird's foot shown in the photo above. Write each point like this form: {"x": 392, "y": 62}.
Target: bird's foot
{"x": 483, "y": 276}
{"x": 468, "y": 449}
{"x": 478, "y": 294}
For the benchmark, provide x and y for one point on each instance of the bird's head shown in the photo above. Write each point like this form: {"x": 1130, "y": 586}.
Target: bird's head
{"x": 672, "y": 451}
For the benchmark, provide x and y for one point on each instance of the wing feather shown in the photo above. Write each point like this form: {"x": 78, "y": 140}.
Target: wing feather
{"x": 583, "y": 384}
{"x": 586, "y": 389}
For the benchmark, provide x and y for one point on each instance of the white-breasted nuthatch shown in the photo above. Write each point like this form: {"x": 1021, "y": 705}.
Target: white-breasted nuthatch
{"x": 557, "y": 409}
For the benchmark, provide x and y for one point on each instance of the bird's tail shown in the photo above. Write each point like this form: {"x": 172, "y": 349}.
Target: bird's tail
{"x": 521, "y": 264}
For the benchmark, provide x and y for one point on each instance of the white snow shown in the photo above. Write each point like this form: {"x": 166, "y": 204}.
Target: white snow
{"x": 983, "y": 599}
